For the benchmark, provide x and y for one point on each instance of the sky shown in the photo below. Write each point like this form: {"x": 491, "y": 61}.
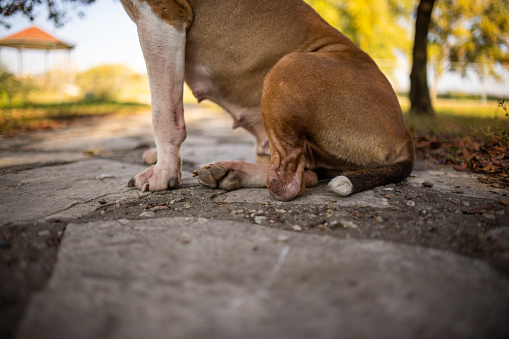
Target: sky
{"x": 105, "y": 34}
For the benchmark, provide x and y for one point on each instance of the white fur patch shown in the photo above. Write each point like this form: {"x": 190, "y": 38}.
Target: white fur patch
{"x": 341, "y": 185}
{"x": 163, "y": 47}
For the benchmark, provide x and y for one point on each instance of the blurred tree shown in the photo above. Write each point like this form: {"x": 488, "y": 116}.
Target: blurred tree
{"x": 57, "y": 9}
{"x": 108, "y": 82}
{"x": 11, "y": 88}
{"x": 377, "y": 27}
{"x": 469, "y": 31}
{"x": 419, "y": 92}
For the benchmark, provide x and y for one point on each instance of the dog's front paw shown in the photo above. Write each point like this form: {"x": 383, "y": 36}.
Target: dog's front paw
{"x": 156, "y": 178}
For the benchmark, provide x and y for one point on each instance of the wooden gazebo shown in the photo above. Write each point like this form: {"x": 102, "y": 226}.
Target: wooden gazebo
{"x": 33, "y": 38}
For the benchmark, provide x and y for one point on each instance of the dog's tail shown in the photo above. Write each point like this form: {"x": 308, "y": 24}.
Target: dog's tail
{"x": 366, "y": 179}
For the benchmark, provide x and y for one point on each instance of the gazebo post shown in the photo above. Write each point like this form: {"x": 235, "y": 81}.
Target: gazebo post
{"x": 46, "y": 68}
{"x": 71, "y": 74}
{"x": 20, "y": 60}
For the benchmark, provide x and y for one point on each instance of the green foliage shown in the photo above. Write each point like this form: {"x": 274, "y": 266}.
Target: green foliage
{"x": 30, "y": 117}
{"x": 107, "y": 82}
{"x": 13, "y": 89}
{"x": 57, "y": 11}
{"x": 480, "y": 123}
{"x": 470, "y": 31}
{"x": 378, "y": 27}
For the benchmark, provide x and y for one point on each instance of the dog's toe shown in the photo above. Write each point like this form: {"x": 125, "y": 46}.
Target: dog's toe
{"x": 230, "y": 182}
{"x": 216, "y": 176}
{"x": 206, "y": 178}
{"x": 217, "y": 172}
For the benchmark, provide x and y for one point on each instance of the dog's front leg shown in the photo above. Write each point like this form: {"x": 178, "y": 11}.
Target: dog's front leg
{"x": 163, "y": 46}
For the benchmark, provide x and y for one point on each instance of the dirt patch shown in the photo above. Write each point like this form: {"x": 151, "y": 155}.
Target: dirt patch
{"x": 415, "y": 216}
{"x": 28, "y": 253}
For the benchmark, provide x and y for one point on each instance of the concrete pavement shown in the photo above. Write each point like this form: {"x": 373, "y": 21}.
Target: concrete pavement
{"x": 160, "y": 276}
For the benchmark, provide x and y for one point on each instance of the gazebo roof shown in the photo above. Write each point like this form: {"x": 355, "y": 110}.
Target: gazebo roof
{"x": 34, "y": 38}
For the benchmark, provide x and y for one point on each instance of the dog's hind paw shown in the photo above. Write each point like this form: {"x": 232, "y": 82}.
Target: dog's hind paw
{"x": 341, "y": 185}
{"x": 231, "y": 174}
{"x": 149, "y": 157}
{"x": 215, "y": 176}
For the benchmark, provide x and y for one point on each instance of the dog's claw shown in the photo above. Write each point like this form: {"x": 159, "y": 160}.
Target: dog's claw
{"x": 144, "y": 188}
{"x": 131, "y": 182}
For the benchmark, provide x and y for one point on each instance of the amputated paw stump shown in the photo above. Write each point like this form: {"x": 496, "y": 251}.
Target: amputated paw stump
{"x": 341, "y": 186}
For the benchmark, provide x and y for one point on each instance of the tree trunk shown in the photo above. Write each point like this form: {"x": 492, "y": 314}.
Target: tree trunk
{"x": 419, "y": 92}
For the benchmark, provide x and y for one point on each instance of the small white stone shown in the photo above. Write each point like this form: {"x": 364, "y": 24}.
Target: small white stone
{"x": 348, "y": 224}
{"x": 259, "y": 219}
{"x": 105, "y": 176}
{"x": 148, "y": 214}
{"x": 282, "y": 238}
{"x": 44, "y": 233}
{"x": 185, "y": 238}
{"x": 489, "y": 216}
{"x": 297, "y": 228}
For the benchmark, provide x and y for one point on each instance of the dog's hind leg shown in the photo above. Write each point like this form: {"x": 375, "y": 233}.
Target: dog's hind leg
{"x": 149, "y": 157}
{"x": 234, "y": 174}
{"x": 284, "y": 119}
{"x": 366, "y": 179}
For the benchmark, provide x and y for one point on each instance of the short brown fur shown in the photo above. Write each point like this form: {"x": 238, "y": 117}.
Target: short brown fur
{"x": 288, "y": 77}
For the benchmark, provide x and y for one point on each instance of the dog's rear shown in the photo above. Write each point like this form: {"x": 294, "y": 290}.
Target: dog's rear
{"x": 332, "y": 110}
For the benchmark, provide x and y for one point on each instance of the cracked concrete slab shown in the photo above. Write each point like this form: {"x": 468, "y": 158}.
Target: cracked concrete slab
{"x": 197, "y": 278}
{"x": 16, "y": 159}
{"x": 52, "y": 190}
{"x": 168, "y": 276}
{"x": 108, "y": 134}
{"x": 318, "y": 195}
{"x": 446, "y": 179}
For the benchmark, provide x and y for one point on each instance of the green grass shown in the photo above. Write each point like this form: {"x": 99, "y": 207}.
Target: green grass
{"x": 459, "y": 119}
{"x": 28, "y": 117}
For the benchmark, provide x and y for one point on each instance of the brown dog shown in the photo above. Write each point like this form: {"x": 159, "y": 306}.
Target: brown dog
{"x": 285, "y": 75}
